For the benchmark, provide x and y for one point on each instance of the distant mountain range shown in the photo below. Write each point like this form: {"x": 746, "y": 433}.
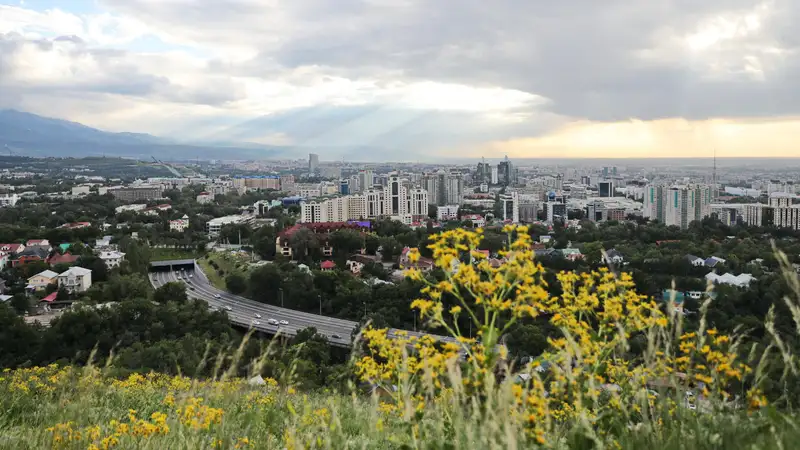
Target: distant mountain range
{"x": 28, "y": 134}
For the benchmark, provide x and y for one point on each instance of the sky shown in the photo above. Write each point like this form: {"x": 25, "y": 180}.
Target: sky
{"x": 437, "y": 78}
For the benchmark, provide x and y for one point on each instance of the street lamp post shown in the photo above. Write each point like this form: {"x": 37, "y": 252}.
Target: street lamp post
{"x": 281, "y": 289}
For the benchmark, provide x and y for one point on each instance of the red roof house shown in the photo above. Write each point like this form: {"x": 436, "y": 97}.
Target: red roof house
{"x": 66, "y": 258}
{"x": 327, "y": 265}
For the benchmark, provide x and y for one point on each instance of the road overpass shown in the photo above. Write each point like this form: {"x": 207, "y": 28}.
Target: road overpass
{"x": 243, "y": 310}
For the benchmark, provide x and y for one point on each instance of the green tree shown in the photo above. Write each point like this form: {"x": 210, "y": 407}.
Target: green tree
{"x": 345, "y": 242}
{"x": 19, "y": 342}
{"x": 21, "y": 303}
{"x": 170, "y": 292}
{"x": 236, "y": 283}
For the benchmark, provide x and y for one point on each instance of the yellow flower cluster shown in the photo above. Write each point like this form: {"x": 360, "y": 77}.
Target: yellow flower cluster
{"x": 36, "y": 380}
{"x": 64, "y": 435}
{"x": 588, "y": 370}
{"x": 198, "y": 416}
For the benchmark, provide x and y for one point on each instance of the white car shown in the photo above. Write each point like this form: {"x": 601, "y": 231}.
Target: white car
{"x": 217, "y": 296}
{"x": 255, "y": 322}
{"x": 258, "y": 316}
{"x": 190, "y": 275}
{"x": 284, "y": 322}
{"x": 228, "y": 308}
{"x": 272, "y": 321}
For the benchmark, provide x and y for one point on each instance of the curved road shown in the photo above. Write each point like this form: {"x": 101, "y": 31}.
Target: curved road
{"x": 243, "y": 310}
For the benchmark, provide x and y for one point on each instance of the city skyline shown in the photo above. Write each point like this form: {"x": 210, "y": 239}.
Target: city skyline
{"x": 419, "y": 80}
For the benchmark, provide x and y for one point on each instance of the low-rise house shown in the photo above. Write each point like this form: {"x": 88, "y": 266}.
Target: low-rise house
{"x": 13, "y": 249}
{"x": 613, "y": 256}
{"x": 478, "y": 221}
{"x": 741, "y": 280}
{"x": 179, "y": 225}
{"x": 423, "y": 264}
{"x": 5, "y": 259}
{"x": 40, "y": 243}
{"x": 354, "y": 266}
{"x": 41, "y": 280}
{"x": 58, "y": 258}
{"x": 76, "y": 279}
{"x": 712, "y": 261}
{"x": 572, "y": 254}
{"x": 103, "y": 242}
{"x": 327, "y": 266}
{"x": 695, "y": 260}
{"x": 32, "y": 253}
{"x": 112, "y": 258}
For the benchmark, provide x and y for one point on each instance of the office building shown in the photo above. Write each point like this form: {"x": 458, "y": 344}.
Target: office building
{"x": 605, "y": 188}
{"x": 510, "y": 207}
{"x": 313, "y": 164}
{"x": 344, "y": 187}
{"x": 586, "y": 180}
{"x": 506, "y": 172}
{"x": 137, "y": 193}
{"x": 528, "y": 211}
{"x": 495, "y": 176}
{"x": 484, "y": 172}
{"x": 556, "y": 212}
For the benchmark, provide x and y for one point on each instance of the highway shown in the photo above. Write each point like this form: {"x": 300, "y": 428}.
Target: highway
{"x": 243, "y": 310}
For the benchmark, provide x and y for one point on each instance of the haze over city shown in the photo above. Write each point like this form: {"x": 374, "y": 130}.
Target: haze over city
{"x": 420, "y": 80}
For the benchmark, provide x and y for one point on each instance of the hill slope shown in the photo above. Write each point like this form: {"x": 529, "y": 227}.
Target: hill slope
{"x": 33, "y": 135}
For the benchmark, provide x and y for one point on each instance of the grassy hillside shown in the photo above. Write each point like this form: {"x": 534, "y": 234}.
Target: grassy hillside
{"x": 625, "y": 373}
{"x": 79, "y": 409}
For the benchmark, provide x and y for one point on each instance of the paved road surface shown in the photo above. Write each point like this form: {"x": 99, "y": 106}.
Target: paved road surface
{"x": 243, "y": 310}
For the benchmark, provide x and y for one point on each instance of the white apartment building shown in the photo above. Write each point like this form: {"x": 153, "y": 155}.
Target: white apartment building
{"x": 112, "y": 258}
{"x": 134, "y": 207}
{"x": 395, "y": 196}
{"x": 677, "y": 205}
{"x": 418, "y": 203}
{"x": 685, "y": 204}
{"x": 214, "y": 226}
{"x": 447, "y": 212}
{"x": 179, "y": 225}
{"x": 510, "y": 206}
{"x": 205, "y": 198}
{"x": 782, "y": 212}
{"x": 366, "y": 179}
{"x": 370, "y": 205}
{"x": 9, "y": 200}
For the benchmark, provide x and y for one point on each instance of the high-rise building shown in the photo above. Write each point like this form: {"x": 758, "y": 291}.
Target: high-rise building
{"x": 395, "y": 197}
{"x": 484, "y": 172}
{"x": 685, "y": 204}
{"x": 556, "y": 212}
{"x": 418, "y": 203}
{"x": 444, "y": 188}
{"x": 313, "y": 163}
{"x": 586, "y": 180}
{"x": 375, "y": 204}
{"x": 365, "y": 180}
{"x": 507, "y": 173}
{"x": 510, "y": 206}
{"x": 495, "y": 177}
{"x": 344, "y": 187}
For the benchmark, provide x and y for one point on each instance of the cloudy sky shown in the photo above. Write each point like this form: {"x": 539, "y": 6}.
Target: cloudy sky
{"x": 444, "y": 78}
